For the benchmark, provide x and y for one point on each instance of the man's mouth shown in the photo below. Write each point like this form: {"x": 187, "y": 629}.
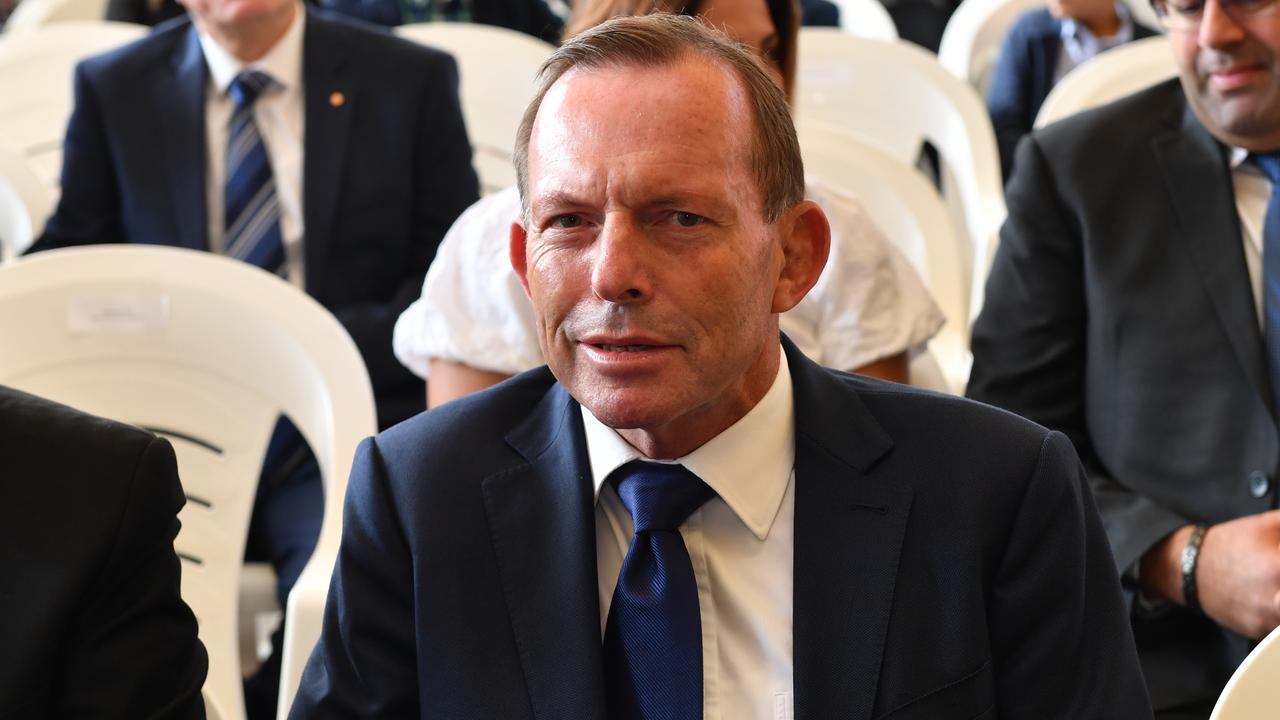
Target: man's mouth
{"x": 622, "y": 348}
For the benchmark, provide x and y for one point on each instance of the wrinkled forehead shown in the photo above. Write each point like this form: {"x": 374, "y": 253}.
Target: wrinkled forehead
{"x": 694, "y": 102}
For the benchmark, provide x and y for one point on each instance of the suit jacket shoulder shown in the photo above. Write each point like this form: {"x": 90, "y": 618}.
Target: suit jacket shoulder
{"x": 88, "y": 508}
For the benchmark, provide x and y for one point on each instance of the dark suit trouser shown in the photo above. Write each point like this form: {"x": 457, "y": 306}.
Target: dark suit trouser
{"x": 287, "y": 512}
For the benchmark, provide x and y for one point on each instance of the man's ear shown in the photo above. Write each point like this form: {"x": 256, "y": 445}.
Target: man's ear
{"x": 806, "y": 242}
{"x": 515, "y": 250}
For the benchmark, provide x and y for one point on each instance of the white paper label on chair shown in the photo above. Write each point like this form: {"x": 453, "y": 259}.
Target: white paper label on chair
{"x": 827, "y": 75}
{"x": 118, "y": 313}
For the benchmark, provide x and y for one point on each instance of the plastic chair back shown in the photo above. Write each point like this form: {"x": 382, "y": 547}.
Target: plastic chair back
{"x": 1252, "y": 693}
{"x": 908, "y": 211}
{"x": 866, "y": 18}
{"x": 896, "y": 95}
{"x": 36, "y": 71}
{"x": 25, "y": 204}
{"x": 1109, "y": 76}
{"x": 497, "y": 69}
{"x": 32, "y": 14}
{"x": 208, "y": 352}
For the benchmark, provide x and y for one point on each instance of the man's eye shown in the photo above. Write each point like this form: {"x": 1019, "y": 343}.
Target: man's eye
{"x": 1185, "y": 9}
{"x": 565, "y": 222}
{"x": 687, "y": 219}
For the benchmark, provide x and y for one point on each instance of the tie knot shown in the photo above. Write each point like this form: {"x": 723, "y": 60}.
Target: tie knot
{"x": 1269, "y": 164}
{"x": 247, "y": 86}
{"x": 659, "y": 496}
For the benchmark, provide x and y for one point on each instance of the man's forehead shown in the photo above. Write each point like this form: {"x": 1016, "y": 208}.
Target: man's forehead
{"x": 690, "y": 102}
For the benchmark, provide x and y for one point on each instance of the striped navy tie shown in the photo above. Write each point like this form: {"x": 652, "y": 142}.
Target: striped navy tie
{"x": 252, "y": 208}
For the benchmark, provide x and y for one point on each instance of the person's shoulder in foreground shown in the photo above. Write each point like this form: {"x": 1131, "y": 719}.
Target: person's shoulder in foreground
{"x": 93, "y": 622}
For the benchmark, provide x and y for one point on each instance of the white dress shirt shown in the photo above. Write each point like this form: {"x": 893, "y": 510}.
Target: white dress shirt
{"x": 280, "y": 119}
{"x": 1253, "y": 193}
{"x": 740, "y": 543}
{"x": 868, "y": 304}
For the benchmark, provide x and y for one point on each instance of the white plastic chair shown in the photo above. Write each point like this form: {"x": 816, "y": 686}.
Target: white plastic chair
{"x": 207, "y": 351}
{"x": 31, "y": 14}
{"x": 897, "y": 95}
{"x": 25, "y": 203}
{"x": 973, "y": 36}
{"x": 866, "y": 18}
{"x": 1253, "y": 692}
{"x": 36, "y": 69}
{"x": 497, "y": 68}
{"x": 1142, "y": 12}
{"x": 1109, "y": 76}
{"x": 907, "y": 209}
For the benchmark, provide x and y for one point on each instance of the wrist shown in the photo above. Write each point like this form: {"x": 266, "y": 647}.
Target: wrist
{"x": 1160, "y": 570}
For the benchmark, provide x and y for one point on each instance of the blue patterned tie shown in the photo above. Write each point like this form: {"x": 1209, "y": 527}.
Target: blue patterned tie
{"x": 252, "y": 209}
{"x": 653, "y": 637}
{"x": 1269, "y": 163}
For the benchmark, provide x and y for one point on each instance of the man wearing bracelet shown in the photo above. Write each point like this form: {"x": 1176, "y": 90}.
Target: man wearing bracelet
{"x": 1134, "y": 305}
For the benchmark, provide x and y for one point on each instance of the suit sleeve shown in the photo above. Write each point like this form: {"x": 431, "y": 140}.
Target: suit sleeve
{"x": 1029, "y": 343}
{"x": 444, "y": 185}
{"x": 136, "y": 654}
{"x": 88, "y": 209}
{"x": 1009, "y": 96}
{"x": 365, "y": 662}
{"x": 1057, "y": 564}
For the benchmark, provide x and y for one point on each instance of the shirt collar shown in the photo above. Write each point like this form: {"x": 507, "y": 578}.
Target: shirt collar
{"x": 748, "y": 465}
{"x": 1238, "y": 157}
{"x": 283, "y": 62}
{"x": 1078, "y": 38}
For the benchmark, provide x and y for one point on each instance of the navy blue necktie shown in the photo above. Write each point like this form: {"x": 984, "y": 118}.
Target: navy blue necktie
{"x": 653, "y": 637}
{"x": 252, "y": 209}
{"x": 1269, "y": 163}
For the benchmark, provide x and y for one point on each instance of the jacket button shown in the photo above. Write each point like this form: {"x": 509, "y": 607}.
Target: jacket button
{"x": 1259, "y": 485}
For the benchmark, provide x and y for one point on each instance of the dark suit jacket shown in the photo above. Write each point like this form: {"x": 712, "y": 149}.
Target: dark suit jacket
{"x": 385, "y": 172}
{"x": 1023, "y": 77}
{"x": 949, "y": 563}
{"x": 1119, "y": 311}
{"x": 90, "y": 611}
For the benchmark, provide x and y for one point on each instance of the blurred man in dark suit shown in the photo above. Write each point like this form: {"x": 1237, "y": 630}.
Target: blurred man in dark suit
{"x": 90, "y": 611}
{"x": 1134, "y": 304}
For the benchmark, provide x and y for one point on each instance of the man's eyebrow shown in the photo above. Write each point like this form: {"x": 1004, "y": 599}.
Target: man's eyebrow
{"x": 556, "y": 199}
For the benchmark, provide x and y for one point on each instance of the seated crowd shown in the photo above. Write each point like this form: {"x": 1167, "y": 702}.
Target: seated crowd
{"x": 670, "y": 467}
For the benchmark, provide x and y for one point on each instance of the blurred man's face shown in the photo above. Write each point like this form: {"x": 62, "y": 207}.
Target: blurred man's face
{"x": 1230, "y": 71}
{"x": 651, "y": 269}
{"x": 230, "y": 17}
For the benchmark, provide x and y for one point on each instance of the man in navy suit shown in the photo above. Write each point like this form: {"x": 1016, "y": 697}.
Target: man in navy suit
{"x": 682, "y": 516}
{"x": 364, "y": 163}
{"x": 1042, "y": 47}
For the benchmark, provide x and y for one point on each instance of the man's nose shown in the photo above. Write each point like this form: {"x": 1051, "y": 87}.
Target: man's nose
{"x": 1217, "y": 27}
{"x": 620, "y": 271}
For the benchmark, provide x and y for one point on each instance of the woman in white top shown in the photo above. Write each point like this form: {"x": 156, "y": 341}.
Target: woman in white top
{"x": 474, "y": 327}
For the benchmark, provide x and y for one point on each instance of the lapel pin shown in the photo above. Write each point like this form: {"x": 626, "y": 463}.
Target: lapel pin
{"x": 337, "y": 99}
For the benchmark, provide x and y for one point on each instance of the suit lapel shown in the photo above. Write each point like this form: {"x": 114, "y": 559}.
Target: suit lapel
{"x": 329, "y": 101}
{"x": 179, "y": 102}
{"x": 848, "y": 532}
{"x": 1208, "y": 229}
{"x": 542, "y": 520}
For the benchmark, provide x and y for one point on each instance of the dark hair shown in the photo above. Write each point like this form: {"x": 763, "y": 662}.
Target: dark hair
{"x": 663, "y": 39}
